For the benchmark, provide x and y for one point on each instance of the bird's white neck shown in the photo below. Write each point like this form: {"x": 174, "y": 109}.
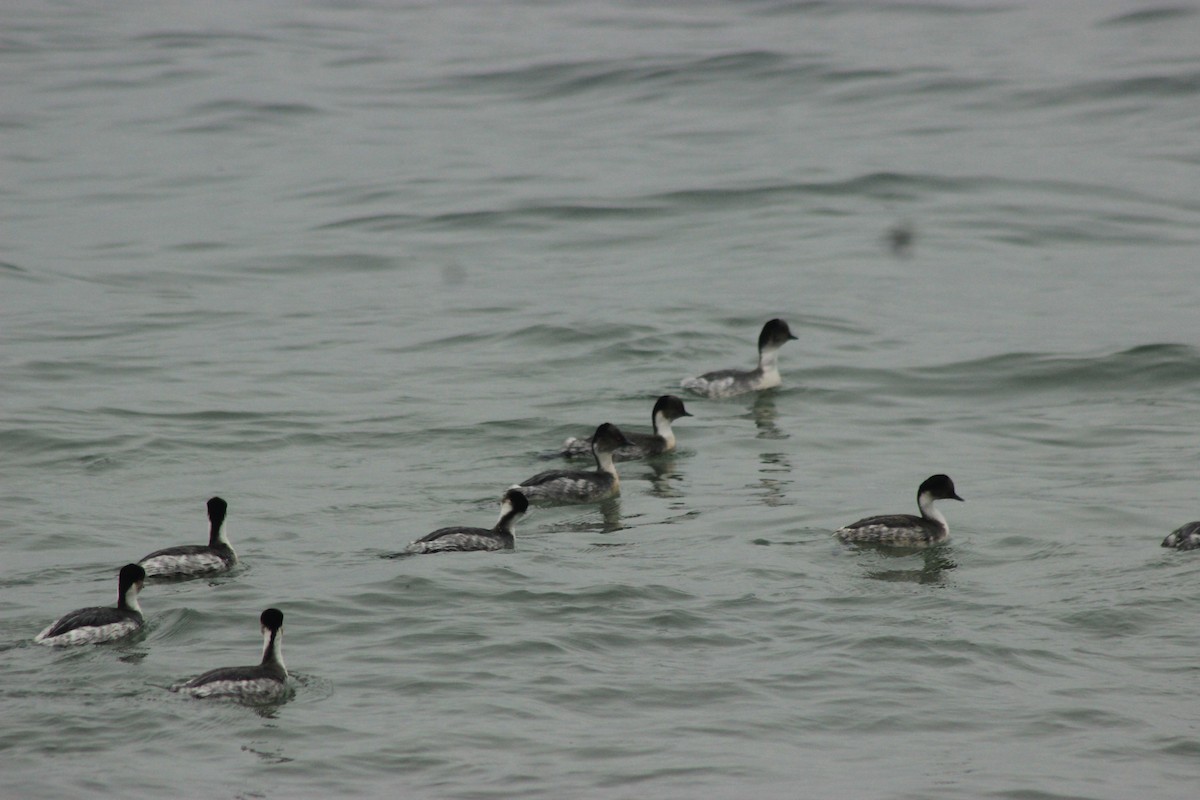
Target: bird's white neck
{"x": 926, "y": 503}
{"x": 662, "y": 427}
{"x": 131, "y": 598}
{"x": 273, "y": 647}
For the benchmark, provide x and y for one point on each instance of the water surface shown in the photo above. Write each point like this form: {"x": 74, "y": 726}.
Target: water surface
{"x": 356, "y": 266}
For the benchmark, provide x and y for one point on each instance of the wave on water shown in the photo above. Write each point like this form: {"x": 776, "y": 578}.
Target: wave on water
{"x": 233, "y": 116}
{"x": 1148, "y": 16}
{"x": 652, "y": 207}
{"x": 105, "y": 438}
{"x": 1067, "y": 220}
{"x": 552, "y": 81}
{"x": 832, "y": 8}
{"x": 1143, "y": 369}
{"x": 176, "y": 40}
{"x": 533, "y": 216}
{"x": 1141, "y": 88}
{"x": 309, "y": 264}
{"x": 10, "y": 270}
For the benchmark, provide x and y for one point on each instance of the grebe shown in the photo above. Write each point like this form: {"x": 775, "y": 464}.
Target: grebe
{"x": 262, "y": 682}
{"x": 101, "y": 623}
{"x": 580, "y": 486}
{"x": 196, "y": 559}
{"x": 512, "y": 507}
{"x": 667, "y": 409}
{"x": 731, "y": 382}
{"x": 1185, "y": 538}
{"x": 906, "y": 529}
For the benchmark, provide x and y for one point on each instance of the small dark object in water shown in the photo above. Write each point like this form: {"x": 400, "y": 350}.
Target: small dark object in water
{"x": 900, "y": 239}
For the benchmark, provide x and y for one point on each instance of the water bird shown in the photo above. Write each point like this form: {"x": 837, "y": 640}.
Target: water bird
{"x": 1185, "y": 538}
{"x": 581, "y": 486}
{"x": 667, "y": 409}
{"x": 262, "y": 682}
{"x": 906, "y": 529}
{"x": 192, "y": 560}
{"x": 731, "y": 382}
{"x": 513, "y": 506}
{"x": 101, "y": 623}
{"x": 900, "y": 238}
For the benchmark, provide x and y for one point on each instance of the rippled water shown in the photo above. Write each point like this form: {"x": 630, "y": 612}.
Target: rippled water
{"x": 357, "y": 266}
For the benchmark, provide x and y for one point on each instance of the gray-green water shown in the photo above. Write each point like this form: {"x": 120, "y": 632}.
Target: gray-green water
{"x": 355, "y": 266}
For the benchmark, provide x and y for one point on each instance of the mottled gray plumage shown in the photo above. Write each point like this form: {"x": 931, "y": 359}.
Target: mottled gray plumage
{"x": 907, "y": 529}
{"x": 261, "y": 682}
{"x": 513, "y": 505}
{"x": 191, "y": 560}
{"x": 667, "y": 409}
{"x": 731, "y": 382}
{"x": 581, "y": 486}
{"x": 1184, "y": 538}
{"x": 101, "y": 623}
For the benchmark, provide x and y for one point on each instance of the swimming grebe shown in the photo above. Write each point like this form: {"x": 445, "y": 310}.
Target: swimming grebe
{"x": 512, "y": 507}
{"x": 667, "y": 409}
{"x": 1185, "y": 538}
{"x": 196, "y": 559}
{"x": 579, "y": 486}
{"x": 101, "y": 623}
{"x": 906, "y": 529}
{"x": 731, "y": 382}
{"x": 262, "y": 682}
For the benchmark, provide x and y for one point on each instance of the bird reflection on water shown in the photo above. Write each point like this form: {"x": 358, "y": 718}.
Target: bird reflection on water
{"x": 774, "y": 489}
{"x": 609, "y": 522}
{"x": 763, "y": 412}
{"x": 934, "y": 561}
{"x": 661, "y": 474}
